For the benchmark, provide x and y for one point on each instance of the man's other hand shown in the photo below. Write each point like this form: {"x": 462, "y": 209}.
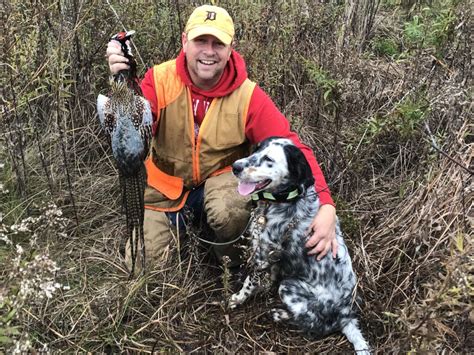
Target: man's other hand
{"x": 322, "y": 233}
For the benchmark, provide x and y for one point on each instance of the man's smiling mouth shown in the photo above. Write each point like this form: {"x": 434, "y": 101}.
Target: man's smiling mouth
{"x": 207, "y": 62}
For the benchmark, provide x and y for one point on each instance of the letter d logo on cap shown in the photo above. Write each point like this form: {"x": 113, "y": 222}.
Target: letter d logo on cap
{"x": 211, "y": 15}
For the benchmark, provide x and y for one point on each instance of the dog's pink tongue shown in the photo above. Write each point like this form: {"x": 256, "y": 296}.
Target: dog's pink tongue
{"x": 246, "y": 188}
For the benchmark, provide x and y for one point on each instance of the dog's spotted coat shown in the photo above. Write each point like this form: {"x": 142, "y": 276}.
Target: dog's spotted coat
{"x": 317, "y": 295}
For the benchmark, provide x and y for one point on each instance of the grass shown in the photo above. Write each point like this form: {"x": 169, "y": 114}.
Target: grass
{"x": 404, "y": 206}
{"x": 386, "y": 47}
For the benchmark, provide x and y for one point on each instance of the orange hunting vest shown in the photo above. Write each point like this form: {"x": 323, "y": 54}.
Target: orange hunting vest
{"x": 178, "y": 160}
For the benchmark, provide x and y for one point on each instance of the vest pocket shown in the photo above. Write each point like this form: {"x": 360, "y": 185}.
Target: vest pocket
{"x": 169, "y": 186}
{"x": 229, "y": 132}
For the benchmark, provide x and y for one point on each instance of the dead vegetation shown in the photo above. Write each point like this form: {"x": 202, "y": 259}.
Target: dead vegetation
{"x": 381, "y": 90}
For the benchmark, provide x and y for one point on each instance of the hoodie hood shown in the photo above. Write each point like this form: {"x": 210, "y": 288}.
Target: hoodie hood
{"x": 234, "y": 75}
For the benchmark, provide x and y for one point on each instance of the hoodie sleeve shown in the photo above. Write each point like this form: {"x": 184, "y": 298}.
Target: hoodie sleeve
{"x": 148, "y": 89}
{"x": 265, "y": 120}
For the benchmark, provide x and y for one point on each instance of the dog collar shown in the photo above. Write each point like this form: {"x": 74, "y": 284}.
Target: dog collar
{"x": 280, "y": 197}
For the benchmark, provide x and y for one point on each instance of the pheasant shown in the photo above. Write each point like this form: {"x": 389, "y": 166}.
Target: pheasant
{"x": 126, "y": 117}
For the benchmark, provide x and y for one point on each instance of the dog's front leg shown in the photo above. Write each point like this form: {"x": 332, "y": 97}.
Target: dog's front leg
{"x": 245, "y": 292}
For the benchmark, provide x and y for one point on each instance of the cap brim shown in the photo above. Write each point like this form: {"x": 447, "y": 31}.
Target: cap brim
{"x": 203, "y": 30}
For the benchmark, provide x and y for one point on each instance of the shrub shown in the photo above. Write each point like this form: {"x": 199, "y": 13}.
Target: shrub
{"x": 385, "y": 47}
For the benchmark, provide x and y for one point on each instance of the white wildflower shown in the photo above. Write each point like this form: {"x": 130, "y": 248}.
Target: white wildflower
{"x": 19, "y": 249}
{"x": 3, "y": 190}
{"x": 34, "y": 240}
{"x": 4, "y": 238}
{"x": 21, "y": 346}
{"x": 49, "y": 287}
{"x": 26, "y": 288}
{"x": 44, "y": 349}
{"x": 23, "y": 228}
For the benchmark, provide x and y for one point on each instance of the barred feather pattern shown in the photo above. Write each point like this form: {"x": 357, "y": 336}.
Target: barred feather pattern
{"x": 133, "y": 189}
{"x": 127, "y": 119}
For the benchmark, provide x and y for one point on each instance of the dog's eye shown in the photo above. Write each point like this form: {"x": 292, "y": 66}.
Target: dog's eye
{"x": 268, "y": 159}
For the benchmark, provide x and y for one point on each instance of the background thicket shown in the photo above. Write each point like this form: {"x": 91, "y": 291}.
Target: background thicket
{"x": 380, "y": 89}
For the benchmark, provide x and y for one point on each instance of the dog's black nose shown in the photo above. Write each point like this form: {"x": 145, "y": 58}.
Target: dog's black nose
{"x": 237, "y": 168}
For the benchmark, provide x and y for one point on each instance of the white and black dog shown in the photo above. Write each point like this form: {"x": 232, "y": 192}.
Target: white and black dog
{"x": 317, "y": 295}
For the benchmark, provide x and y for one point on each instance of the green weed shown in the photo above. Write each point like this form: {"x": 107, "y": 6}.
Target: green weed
{"x": 441, "y": 26}
{"x": 403, "y": 121}
{"x": 376, "y": 125}
{"x": 350, "y": 224}
{"x": 432, "y": 27}
{"x": 320, "y": 77}
{"x": 408, "y": 115}
{"x": 385, "y": 47}
{"x": 389, "y": 4}
{"x": 414, "y": 32}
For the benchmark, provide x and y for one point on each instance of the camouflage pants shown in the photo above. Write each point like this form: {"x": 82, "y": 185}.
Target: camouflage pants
{"x": 217, "y": 203}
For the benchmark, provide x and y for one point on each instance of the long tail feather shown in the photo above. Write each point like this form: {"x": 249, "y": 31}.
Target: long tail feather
{"x": 133, "y": 188}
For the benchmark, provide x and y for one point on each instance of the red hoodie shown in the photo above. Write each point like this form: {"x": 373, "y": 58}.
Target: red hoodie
{"x": 264, "y": 119}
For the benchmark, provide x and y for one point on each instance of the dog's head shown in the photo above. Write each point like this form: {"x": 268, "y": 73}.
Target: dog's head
{"x": 276, "y": 166}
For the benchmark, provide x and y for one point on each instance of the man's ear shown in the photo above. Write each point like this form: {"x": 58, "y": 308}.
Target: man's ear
{"x": 231, "y": 48}
{"x": 184, "y": 41}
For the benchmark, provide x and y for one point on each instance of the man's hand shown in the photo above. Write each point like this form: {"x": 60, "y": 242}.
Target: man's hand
{"x": 323, "y": 233}
{"x": 115, "y": 57}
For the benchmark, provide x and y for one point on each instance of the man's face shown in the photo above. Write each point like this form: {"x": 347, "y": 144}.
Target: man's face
{"x": 206, "y": 58}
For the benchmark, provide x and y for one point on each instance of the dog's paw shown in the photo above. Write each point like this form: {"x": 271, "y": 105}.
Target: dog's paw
{"x": 279, "y": 314}
{"x": 235, "y": 300}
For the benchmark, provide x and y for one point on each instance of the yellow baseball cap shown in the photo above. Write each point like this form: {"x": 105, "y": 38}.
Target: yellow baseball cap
{"x": 210, "y": 20}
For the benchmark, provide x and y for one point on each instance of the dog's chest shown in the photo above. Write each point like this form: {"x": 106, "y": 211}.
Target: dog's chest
{"x": 277, "y": 234}
{"x": 272, "y": 226}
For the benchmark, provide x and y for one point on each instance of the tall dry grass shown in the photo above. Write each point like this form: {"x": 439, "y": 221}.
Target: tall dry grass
{"x": 380, "y": 89}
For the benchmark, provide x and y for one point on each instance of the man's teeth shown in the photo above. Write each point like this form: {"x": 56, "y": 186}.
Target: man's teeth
{"x": 207, "y": 62}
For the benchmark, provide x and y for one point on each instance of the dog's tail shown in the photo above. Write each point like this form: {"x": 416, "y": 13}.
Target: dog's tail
{"x": 352, "y": 332}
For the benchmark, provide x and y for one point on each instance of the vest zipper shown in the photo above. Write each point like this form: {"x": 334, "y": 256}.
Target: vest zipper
{"x": 193, "y": 137}
{"x": 198, "y": 138}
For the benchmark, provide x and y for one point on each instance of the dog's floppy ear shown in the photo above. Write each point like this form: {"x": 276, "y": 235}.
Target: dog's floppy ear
{"x": 298, "y": 167}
